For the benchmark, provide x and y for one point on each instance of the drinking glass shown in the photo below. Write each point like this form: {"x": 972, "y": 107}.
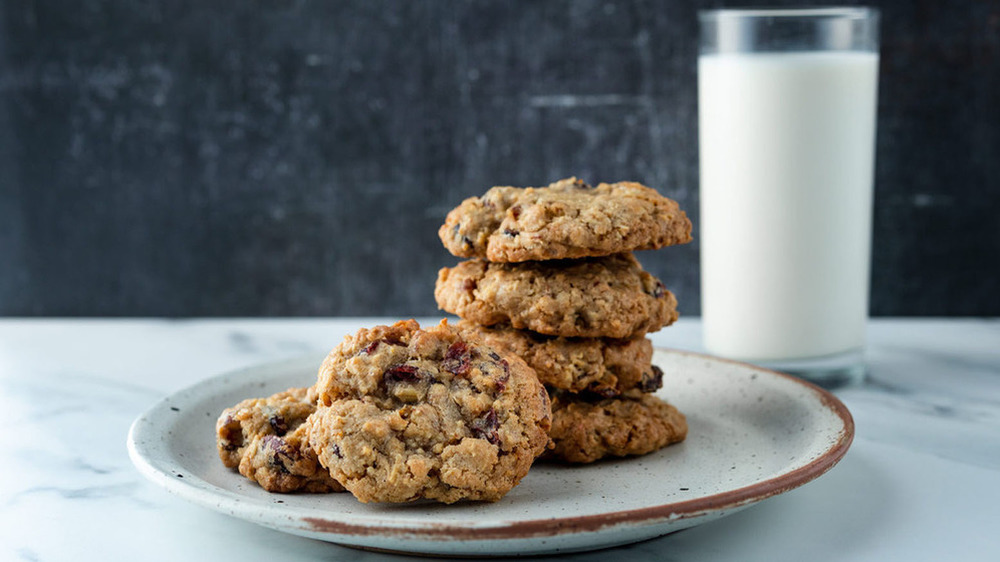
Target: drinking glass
{"x": 787, "y": 113}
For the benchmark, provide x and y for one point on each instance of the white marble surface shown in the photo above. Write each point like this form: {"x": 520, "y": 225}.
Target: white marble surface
{"x": 921, "y": 481}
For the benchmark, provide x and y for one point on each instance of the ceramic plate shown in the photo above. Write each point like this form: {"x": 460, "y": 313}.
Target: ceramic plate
{"x": 753, "y": 434}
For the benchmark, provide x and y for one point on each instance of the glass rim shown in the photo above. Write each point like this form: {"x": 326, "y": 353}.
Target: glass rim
{"x": 850, "y": 12}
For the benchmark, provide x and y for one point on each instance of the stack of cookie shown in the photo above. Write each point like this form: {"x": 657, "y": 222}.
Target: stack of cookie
{"x": 552, "y": 279}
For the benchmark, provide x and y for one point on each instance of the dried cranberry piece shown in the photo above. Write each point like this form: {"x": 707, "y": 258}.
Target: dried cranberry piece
{"x": 278, "y": 424}
{"x": 336, "y": 451}
{"x": 505, "y": 376}
{"x": 281, "y": 451}
{"x": 486, "y": 426}
{"x": 401, "y": 373}
{"x": 469, "y": 285}
{"x": 464, "y": 240}
{"x": 458, "y": 359}
{"x": 515, "y": 211}
{"x": 456, "y": 349}
{"x": 390, "y": 339}
{"x": 276, "y": 444}
{"x": 605, "y": 391}
{"x": 659, "y": 290}
{"x": 651, "y": 382}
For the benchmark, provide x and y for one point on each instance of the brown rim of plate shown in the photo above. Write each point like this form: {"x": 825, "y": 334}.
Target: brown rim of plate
{"x": 666, "y": 512}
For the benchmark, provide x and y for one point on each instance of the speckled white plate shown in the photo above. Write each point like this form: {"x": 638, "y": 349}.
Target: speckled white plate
{"x": 753, "y": 434}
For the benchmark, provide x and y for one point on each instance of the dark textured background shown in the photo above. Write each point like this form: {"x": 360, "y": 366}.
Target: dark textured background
{"x": 296, "y": 158}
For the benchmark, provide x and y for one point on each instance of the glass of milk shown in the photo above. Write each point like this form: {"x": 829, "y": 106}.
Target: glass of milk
{"x": 787, "y": 103}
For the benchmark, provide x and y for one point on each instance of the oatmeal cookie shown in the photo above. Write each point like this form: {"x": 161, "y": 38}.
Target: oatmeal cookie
{"x": 567, "y": 219}
{"x": 633, "y": 424}
{"x": 267, "y": 440}
{"x": 603, "y": 366}
{"x": 407, "y": 413}
{"x": 610, "y": 297}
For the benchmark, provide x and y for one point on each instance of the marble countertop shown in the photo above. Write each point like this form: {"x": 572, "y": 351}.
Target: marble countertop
{"x": 921, "y": 481}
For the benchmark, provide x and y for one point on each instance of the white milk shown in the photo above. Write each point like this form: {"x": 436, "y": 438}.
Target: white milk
{"x": 787, "y": 154}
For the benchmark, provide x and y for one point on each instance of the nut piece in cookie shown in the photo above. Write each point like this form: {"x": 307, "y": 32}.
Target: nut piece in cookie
{"x": 267, "y": 440}
{"x": 407, "y": 413}
{"x": 567, "y": 219}
{"x": 634, "y": 424}
{"x": 609, "y": 297}
{"x": 605, "y": 367}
